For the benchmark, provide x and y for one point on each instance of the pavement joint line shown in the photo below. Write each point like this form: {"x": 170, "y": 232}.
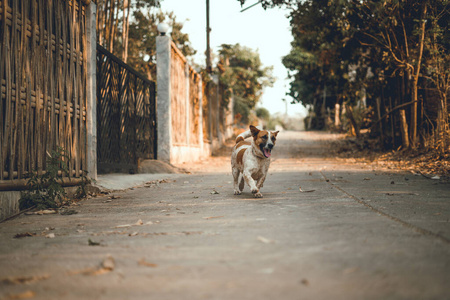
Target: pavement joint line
{"x": 404, "y": 223}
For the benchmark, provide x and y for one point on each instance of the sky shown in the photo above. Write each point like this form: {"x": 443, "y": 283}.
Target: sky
{"x": 265, "y": 31}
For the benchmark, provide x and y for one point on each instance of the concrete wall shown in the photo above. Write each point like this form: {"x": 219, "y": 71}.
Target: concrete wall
{"x": 170, "y": 150}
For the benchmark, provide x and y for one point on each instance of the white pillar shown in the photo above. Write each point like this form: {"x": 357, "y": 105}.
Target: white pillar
{"x": 91, "y": 91}
{"x": 163, "y": 95}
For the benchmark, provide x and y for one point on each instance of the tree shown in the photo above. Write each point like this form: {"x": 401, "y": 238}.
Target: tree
{"x": 395, "y": 52}
{"x": 143, "y": 33}
{"x": 243, "y": 74}
{"x": 113, "y": 18}
{"x": 116, "y": 32}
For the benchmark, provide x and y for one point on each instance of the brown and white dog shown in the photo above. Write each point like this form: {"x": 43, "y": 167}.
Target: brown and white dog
{"x": 250, "y": 160}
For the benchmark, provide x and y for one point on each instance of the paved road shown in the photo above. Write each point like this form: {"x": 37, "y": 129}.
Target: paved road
{"x": 356, "y": 232}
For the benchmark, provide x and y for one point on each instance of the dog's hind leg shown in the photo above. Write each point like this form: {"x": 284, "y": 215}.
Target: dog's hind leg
{"x": 241, "y": 182}
{"x": 237, "y": 176}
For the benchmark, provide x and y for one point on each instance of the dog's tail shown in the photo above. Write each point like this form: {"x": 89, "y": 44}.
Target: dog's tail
{"x": 246, "y": 134}
{"x": 243, "y": 136}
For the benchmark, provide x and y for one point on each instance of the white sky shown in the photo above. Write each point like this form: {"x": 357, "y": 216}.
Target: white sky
{"x": 266, "y": 31}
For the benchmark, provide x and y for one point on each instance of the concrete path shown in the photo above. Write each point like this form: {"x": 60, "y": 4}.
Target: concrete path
{"x": 355, "y": 232}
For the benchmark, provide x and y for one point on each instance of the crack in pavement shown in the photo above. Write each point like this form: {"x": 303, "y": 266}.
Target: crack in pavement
{"x": 402, "y": 222}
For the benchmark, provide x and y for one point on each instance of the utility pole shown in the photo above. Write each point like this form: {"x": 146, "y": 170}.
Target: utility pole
{"x": 208, "y": 50}
{"x": 208, "y": 71}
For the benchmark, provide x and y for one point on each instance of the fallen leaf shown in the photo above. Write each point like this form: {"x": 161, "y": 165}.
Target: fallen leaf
{"x": 264, "y": 240}
{"x": 123, "y": 226}
{"x": 145, "y": 263}
{"x": 400, "y": 193}
{"x": 139, "y": 222}
{"x": 134, "y": 233}
{"x": 25, "y": 295}
{"x": 68, "y": 212}
{"x": 307, "y": 191}
{"x": 50, "y": 236}
{"x": 23, "y": 279}
{"x": 25, "y": 234}
{"x": 106, "y": 266}
{"x": 215, "y": 217}
{"x": 92, "y": 243}
{"x": 214, "y": 192}
{"x": 108, "y": 263}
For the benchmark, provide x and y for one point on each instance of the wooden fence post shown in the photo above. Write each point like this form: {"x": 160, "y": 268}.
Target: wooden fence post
{"x": 91, "y": 91}
{"x": 163, "y": 98}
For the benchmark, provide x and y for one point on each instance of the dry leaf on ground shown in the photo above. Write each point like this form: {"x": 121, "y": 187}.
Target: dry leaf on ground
{"x": 307, "y": 191}
{"x": 264, "y": 240}
{"x": 92, "y": 243}
{"x": 23, "y": 279}
{"x": 214, "y": 217}
{"x": 145, "y": 263}
{"x": 107, "y": 265}
{"x": 25, "y": 295}
{"x": 24, "y": 234}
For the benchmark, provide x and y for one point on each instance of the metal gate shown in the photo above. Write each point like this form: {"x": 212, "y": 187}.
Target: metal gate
{"x": 126, "y": 115}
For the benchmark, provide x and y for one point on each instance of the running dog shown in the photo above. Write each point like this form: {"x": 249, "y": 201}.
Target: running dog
{"x": 250, "y": 160}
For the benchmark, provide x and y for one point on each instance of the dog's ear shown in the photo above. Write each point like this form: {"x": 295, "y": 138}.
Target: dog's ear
{"x": 254, "y": 130}
{"x": 275, "y": 133}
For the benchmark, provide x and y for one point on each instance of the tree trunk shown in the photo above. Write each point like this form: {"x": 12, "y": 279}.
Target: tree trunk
{"x": 381, "y": 122}
{"x": 125, "y": 26}
{"x": 337, "y": 115}
{"x": 111, "y": 26}
{"x": 404, "y": 129}
{"x": 355, "y": 126}
{"x": 416, "y": 78}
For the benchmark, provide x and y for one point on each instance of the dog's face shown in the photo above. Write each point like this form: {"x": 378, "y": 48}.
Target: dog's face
{"x": 264, "y": 140}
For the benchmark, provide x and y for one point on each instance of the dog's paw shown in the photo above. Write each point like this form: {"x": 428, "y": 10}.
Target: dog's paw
{"x": 237, "y": 192}
{"x": 256, "y": 193}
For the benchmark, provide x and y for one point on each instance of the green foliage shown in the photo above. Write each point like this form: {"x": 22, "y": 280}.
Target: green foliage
{"x": 44, "y": 190}
{"x": 395, "y": 51}
{"x": 241, "y": 110}
{"x": 243, "y": 73}
{"x": 263, "y": 114}
{"x": 142, "y": 39}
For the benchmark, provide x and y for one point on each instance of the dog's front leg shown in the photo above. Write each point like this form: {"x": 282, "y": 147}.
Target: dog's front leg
{"x": 236, "y": 177}
{"x": 260, "y": 182}
{"x": 252, "y": 184}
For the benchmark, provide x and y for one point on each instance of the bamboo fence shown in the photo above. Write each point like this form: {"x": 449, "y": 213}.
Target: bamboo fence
{"x": 185, "y": 101}
{"x": 43, "y": 85}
